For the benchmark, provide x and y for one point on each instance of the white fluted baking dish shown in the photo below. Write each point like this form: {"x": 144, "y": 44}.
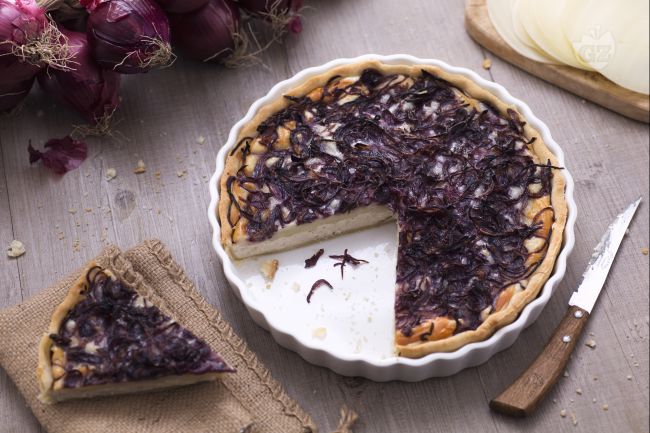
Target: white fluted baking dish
{"x": 350, "y": 329}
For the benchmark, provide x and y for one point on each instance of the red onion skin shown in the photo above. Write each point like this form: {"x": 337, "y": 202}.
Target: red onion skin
{"x": 89, "y": 89}
{"x": 181, "y": 6}
{"x": 13, "y": 70}
{"x": 21, "y": 21}
{"x": 207, "y": 34}
{"x": 13, "y": 94}
{"x": 117, "y": 30}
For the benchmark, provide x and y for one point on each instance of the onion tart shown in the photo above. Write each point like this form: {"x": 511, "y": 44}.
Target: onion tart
{"x": 107, "y": 339}
{"x": 477, "y": 196}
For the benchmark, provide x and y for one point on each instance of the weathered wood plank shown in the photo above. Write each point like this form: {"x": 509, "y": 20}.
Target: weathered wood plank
{"x": 13, "y": 411}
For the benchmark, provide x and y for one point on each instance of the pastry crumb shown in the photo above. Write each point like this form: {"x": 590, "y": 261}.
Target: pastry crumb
{"x": 295, "y": 287}
{"x": 487, "y": 63}
{"x": 605, "y": 407}
{"x": 579, "y": 391}
{"x": 566, "y": 374}
{"x": 269, "y": 268}
{"x": 591, "y": 343}
{"x": 200, "y": 139}
{"x": 320, "y": 333}
{"x": 645, "y": 251}
{"x": 629, "y": 377}
{"x": 140, "y": 167}
{"x": 563, "y": 413}
{"x": 111, "y": 174}
{"x": 72, "y": 210}
{"x": 15, "y": 249}
{"x": 594, "y": 400}
{"x": 574, "y": 419}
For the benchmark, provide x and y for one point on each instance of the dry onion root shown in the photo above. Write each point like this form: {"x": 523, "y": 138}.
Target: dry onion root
{"x": 27, "y": 35}
{"x": 282, "y": 15}
{"x": 28, "y": 42}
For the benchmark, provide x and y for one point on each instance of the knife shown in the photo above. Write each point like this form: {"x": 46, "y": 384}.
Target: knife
{"x": 527, "y": 391}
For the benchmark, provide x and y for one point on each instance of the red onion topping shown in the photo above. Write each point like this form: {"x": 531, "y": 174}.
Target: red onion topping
{"x": 315, "y": 286}
{"x": 346, "y": 258}
{"x": 61, "y": 156}
{"x": 92, "y": 91}
{"x": 311, "y": 262}
{"x": 209, "y": 33}
{"x": 129, "y": 36}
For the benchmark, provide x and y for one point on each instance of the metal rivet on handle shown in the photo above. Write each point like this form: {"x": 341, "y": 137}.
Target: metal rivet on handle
{"x": 578, "y": 314}
{"x": 566, "y": 339}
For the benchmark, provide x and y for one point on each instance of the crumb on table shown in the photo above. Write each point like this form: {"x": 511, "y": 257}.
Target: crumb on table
{"x": 15, "y": 249}
{"x": 140, "y": 167}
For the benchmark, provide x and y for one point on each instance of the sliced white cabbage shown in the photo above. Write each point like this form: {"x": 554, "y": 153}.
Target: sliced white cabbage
{"x": 501, "y": 12}
{"x": 543, "y": 21}
{"x": 613, "y": 37}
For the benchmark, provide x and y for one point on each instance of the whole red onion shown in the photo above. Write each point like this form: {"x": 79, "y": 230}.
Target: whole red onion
{"x": 181, "y": 6}
{"x": 208, "y": 33}
{"x": 12, "y": 94}
{"x": 14, "y": 70}
{"x": 27, "y": 35}
{"x": 283, "y": 14}
{"x": 128, "y": 36}
{"x": 89, "y": 89}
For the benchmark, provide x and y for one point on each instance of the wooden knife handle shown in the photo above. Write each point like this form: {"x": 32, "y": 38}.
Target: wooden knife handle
{"x": 524, "y": 394}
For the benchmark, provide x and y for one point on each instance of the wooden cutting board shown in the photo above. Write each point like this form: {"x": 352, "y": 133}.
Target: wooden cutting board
{"x": 588, "y": 85}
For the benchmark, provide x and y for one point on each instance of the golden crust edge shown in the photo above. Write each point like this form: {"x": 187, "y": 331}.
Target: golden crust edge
{"x": 558, "y": 199}
{"x": 44, "y": 369}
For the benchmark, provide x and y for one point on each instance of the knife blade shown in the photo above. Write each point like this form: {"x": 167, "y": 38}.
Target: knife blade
{"x": 601, "y": 260}
{"x": 528, "y": 390}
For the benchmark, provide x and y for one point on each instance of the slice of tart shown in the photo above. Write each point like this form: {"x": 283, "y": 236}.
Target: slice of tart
{"x": 106, "y": 339}
{"x": 477, "y": 196}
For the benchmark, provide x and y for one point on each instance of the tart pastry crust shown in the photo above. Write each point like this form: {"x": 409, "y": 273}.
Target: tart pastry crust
{"x": 55, "y": 366}
{"x": 439, "y": 333}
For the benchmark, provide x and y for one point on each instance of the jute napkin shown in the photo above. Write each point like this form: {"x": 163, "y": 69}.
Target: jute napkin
{"x": 247, "y": 401}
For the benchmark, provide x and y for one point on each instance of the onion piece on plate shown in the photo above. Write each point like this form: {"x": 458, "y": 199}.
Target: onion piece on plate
{"x": 501, "y": 12}
{"x": 542, "y": 20}
{"x": 613, "y": 38}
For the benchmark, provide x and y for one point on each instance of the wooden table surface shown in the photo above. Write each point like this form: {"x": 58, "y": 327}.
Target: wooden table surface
{"x": 65, "y": 221}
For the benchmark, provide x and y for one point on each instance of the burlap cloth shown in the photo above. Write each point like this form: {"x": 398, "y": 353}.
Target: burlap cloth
{"x": 247, "y": 401}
